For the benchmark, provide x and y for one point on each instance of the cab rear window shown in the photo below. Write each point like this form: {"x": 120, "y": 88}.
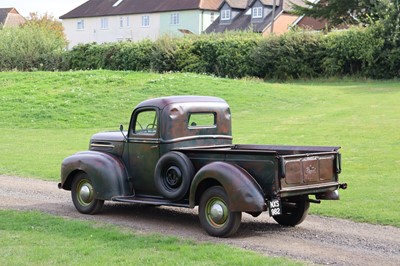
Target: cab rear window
{"x": 202, "y": 120}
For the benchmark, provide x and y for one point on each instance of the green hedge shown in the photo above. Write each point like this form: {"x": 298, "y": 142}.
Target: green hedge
{"x": 371, "y": 52}
{"x": 359, "y": 52}
{"x": 227, "y": 55}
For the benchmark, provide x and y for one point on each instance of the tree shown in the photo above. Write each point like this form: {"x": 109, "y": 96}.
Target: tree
{"x": 38, "y": 44}
{"x": 391, "y": 22}
{"x": 347, "y": 12}
{"x": 46, "y": 21}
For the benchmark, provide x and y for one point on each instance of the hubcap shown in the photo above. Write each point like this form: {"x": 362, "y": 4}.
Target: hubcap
{"x": 217, "y": 212}
{"x": 85, "y": 193}
{"x": 174, "y": 177}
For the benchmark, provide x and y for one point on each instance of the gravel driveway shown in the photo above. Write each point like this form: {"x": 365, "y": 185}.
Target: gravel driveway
{"x": 318, "y": 240}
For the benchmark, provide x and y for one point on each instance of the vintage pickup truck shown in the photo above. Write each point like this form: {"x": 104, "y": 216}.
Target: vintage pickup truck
{"x": 178, "y": 152}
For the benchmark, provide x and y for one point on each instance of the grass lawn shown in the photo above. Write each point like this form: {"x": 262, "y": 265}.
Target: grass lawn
{"x": 48, "y": 116}
{"x": 30, "y": 238}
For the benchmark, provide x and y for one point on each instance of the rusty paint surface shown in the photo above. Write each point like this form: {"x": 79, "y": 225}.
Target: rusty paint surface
{"x": 251, "y": 174}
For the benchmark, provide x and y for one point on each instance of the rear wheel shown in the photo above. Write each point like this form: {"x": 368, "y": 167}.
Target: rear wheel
{"x": 215, "y": 216}
{"x": 294, "y": 211}
{"x": 83, "y": 195}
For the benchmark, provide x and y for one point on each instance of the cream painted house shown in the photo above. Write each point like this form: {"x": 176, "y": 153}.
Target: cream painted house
{"x": 134, "y": 20}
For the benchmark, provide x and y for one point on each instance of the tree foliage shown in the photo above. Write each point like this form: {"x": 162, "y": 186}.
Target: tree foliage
{"x": 344, "y": 12}
{"x": 30, "y": 47}
{"x": 46, "y": 21}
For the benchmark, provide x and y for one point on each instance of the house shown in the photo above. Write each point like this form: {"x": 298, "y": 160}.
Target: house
{"x": 257, "y": 16}
{"x": 134, "y": 20}
{"x": 9, "y": 17}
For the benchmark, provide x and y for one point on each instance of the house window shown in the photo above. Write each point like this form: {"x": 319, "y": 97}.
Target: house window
{"x": 128, "y": 22}
{"x": 257, "y": 12}
{"x": 226, "y": 14}
{"x": 175, "y": 19}
{"x": 80, "y": 24}
{"x": 145, "y": 21}
{"x": 104, "y": 23}
{"x": 212, "y": 16}
{"x": 121, "y": 22}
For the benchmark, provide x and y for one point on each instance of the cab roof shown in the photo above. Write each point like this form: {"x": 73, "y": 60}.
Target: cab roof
{"x": 164, "y": 101}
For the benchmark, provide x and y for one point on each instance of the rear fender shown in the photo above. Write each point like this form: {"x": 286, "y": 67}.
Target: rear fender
{"x": 243, "y": 191}
{"x": 107, "y": 172}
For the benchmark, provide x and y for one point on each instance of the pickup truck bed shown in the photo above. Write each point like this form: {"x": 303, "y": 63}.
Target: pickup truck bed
{"x": 282, "y": 171}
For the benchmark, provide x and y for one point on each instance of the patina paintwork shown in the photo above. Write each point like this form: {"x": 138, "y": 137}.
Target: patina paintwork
{"x": 193, "y": 137}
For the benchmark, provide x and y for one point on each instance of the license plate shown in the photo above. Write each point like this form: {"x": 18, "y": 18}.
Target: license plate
{"x": 275, "y": 207}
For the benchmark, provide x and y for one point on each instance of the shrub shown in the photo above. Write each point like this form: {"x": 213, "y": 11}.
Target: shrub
{"x": 31, "y": 48}
{"x": 233, "y": 57}
{"x": 350, "y": 52}
{"x": 384, "y": 51}
{"x": 132, "y": 56}
{"x": 162, "y": 57}
{"x": 88, "y": 56}
{"x": 226, "y": 55}
{"x": 196, "y": 55}
{"x": 296, "y": 54}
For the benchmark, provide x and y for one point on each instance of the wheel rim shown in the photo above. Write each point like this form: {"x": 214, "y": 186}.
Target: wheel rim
{"x": 85, "y": 193}
{"x": 216, "y": 212}
{"x": 173, "y": 177}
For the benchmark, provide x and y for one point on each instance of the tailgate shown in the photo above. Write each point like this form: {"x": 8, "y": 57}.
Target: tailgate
{"x": 309, "y": 173}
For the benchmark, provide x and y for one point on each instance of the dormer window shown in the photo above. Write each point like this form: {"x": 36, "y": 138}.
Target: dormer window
{"x": 257, "y": 12}
{"x": 226, "y": 14}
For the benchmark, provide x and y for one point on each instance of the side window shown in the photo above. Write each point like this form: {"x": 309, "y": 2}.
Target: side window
{"x": 201, "y": 120}
{"x": 146, "y": 122}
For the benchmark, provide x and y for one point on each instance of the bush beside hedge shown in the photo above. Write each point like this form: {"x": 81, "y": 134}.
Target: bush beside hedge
{"x": 364, "y": 52}
{"x": 31, "y": 48}
{"x": 291, "y": 56}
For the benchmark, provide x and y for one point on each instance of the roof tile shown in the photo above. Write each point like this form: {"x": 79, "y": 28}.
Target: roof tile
{"x": 95, "y": 8}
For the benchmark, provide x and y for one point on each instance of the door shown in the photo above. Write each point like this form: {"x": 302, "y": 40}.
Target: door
{"x": 144, "y": 150}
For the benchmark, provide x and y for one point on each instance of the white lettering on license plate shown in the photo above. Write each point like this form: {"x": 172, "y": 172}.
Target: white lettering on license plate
{"x": 275, "y": 207}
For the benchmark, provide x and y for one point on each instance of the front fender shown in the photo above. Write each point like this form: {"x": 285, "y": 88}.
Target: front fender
{"x": 107, "y": 172}
{"x": 243, "y": 191}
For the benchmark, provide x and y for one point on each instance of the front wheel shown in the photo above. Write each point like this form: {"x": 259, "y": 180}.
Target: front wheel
{"x": 83, "y": 195}
{"x": 294, "y": 210}
{"x": 215, "y": 216}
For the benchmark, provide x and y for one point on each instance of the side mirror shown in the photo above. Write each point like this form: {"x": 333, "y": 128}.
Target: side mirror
{"x": 121, "y": 128}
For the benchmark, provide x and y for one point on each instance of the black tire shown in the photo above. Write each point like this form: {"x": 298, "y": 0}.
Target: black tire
{"x": 294, "y": 211}
{"x": 83, "y": 195}
{"x": 215, "y": 215}
{"x": 173, "y": 174}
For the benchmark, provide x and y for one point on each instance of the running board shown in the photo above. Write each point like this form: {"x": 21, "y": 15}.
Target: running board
{"x": 150, "y": 201}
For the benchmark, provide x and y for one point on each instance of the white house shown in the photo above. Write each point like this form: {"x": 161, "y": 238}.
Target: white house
{"x": 103, "y": 21}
